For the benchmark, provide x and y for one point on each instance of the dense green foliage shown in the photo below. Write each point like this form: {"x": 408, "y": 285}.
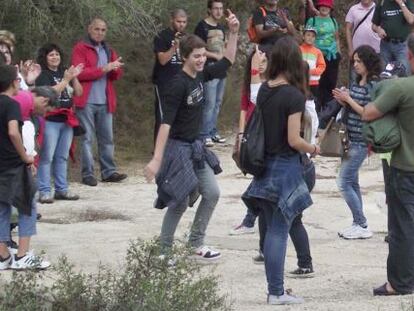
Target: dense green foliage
{"x": 132, "y": 25}
{"x": 145, "y": 282}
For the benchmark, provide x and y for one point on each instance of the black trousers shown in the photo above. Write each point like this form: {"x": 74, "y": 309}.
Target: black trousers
{"x": 328, "y": 80}
{"x": 158, "y": 108}
{"x": 299, "y": 238}
{"x": 400, "y": 263}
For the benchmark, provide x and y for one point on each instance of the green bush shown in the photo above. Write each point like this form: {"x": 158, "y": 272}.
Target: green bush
{"x": 146, "y": 283}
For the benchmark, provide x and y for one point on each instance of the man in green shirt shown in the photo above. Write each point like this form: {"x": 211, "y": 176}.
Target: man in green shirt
{"x": 399, "y": 99}
{"x": 392, "y": 21}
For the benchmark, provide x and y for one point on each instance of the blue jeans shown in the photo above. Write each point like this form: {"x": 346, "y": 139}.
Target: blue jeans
{"x": 95, "y": 119}
{"x": 54, "y": 153}
{"x": 210, "y": 194}
{"x": 213, "y": 93}
{"x": 27, "y": 224}
{"x": 400, "y": 197}
{"x": 395, "y": 52}
{"x": 348, "y": 181}
{"x": 275, "y": 245}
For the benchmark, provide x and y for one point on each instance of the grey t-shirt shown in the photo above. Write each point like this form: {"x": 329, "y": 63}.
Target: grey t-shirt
{"x": 97, "y": 95}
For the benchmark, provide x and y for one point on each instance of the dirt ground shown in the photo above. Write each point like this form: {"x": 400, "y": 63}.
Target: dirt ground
{"x": 98, "y": 228}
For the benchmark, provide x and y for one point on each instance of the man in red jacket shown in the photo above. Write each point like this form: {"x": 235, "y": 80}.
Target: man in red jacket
{"x": 95, "y": 107}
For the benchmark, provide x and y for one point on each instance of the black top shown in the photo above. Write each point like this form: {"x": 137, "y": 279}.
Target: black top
{"x": 273, "y": 19}
{"x": 185, "y": 99}
{"x": 214, "y": 36}
{"x": 162, "y": 43}
{"x": 9, "y": 111}
{"x": 51, "y": 78}
{"x": 277, "y": 104}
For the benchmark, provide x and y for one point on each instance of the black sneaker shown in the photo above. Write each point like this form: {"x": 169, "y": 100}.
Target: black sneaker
{"x": 218, "y": 139}
{"x": 67, "y": 196}
{"x": 115, "y": 177}
{"x": 90, "y": 181}
{"x": 302, "y": 273}
{"x": 258, "y": 259}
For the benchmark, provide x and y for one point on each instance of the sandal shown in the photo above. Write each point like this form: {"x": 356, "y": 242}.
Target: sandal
{"x": 382, "y": 291}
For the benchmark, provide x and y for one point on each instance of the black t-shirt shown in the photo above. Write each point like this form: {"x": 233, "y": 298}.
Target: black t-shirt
{"x": 277, "y": 104}
{"x": 214, "y": 36}
{"x": 9, "y": 111}
{"x": 185, "y": 98}
{"x": 273, "y": 19}
{"x": 51, "y": 78}
{"x": 162, "y": 75}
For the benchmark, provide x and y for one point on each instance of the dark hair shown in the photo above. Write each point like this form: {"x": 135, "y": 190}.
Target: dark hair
{"x": 306, "y": 74}
{"x": 8, "y": 74}
{"x": 266, "y": 48}
{"x": 286, "y": 59}
{"x": 371, "y": 61}
{"x": 210, "y": 3}
{"x": 190, "y": 42}
{"x": 44, "y": 51}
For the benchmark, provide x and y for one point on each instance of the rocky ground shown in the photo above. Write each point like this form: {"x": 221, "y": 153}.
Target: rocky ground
{"x": 98, "y": 228}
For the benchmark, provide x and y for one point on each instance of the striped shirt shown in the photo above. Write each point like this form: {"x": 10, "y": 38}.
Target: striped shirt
{"x": 362, "y": 95}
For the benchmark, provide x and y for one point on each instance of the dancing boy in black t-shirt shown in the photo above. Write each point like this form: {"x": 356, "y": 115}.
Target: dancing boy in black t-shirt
{"x": 168, "y": 61}
{"x": 181, "y": 163}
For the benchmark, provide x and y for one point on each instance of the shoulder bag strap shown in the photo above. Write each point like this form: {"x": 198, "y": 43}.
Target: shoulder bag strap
{"x": 363, "y": 20}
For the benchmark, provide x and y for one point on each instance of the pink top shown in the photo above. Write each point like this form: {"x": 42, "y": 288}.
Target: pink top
{"x": 25, "y": 100}
{"x": 364, "y": 34}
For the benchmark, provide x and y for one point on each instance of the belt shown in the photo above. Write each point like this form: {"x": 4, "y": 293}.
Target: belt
{"x": 393, "y": 40}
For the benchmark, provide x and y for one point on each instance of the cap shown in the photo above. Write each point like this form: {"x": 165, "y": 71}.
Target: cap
{"x": 393, "y": 70}
{"x": 327, "y": 3}
{"x": 49, "y": 92}
{"x": 310, "y": 28}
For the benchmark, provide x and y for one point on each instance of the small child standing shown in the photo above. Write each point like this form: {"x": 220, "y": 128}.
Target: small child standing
{"x": 314, "y": 57}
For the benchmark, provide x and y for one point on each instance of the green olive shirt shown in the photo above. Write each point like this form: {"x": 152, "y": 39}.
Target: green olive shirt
{"x": 400, "y": 99}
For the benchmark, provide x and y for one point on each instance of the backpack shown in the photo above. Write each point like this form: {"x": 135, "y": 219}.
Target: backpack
{"x": 252, "y": 145}
{"x": 251, "y": 29}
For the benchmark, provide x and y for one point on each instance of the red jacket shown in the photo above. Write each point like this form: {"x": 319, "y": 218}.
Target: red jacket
{"x": 84, "y": 52}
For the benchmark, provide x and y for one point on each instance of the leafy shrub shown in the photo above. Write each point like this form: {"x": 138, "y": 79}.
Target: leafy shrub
{"x": 146, "y": 283}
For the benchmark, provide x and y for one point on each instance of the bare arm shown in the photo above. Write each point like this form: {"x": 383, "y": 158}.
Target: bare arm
{"x": 216, "y": 56}
{"x": 262, "y": 34}
{"x": 234, "y": 25}
{"x": 242, "y": 121}
{"x": 379, "y": 30}
{"x": 77, "y": 87}
{"x": 348, "y": 34}
{"x": 153, "y": 167}
{"x": 370, "y": 112}
{"x": 17, "y": 141}
{"x": 165, "y": 57}
{"x": 409, "y": 17}
{"x": 294, "y": 139}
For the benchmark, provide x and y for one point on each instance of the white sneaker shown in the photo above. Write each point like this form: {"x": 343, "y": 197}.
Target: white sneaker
{"x": 30, "y": 261}
{"x": 209, "y": 142}
{"x": 241, "y": 229}
{"x": 347, "y": 229}
{"x": 4, "y": 265}
{"x": 357, "y": 233}
{"x": 205, "y": 253}
{"x": 285, "y": 299}
{"x": 218, "y": 139}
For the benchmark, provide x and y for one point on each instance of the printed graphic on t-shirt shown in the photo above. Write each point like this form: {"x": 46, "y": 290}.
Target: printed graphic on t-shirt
{"x": 390, "y": 13}
{"x": 215, "y": 41}
{"x": 274, "y": 20}
{"x": 196, "y": 96}
{"x": 64, "y": 97}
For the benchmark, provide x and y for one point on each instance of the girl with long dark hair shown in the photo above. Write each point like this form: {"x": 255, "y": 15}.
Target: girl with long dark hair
{"x": 367, "y": 65}
{"x": 280, "y": 192}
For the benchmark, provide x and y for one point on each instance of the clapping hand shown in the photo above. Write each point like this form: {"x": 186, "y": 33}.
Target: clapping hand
{"x": 30, "y": 71}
